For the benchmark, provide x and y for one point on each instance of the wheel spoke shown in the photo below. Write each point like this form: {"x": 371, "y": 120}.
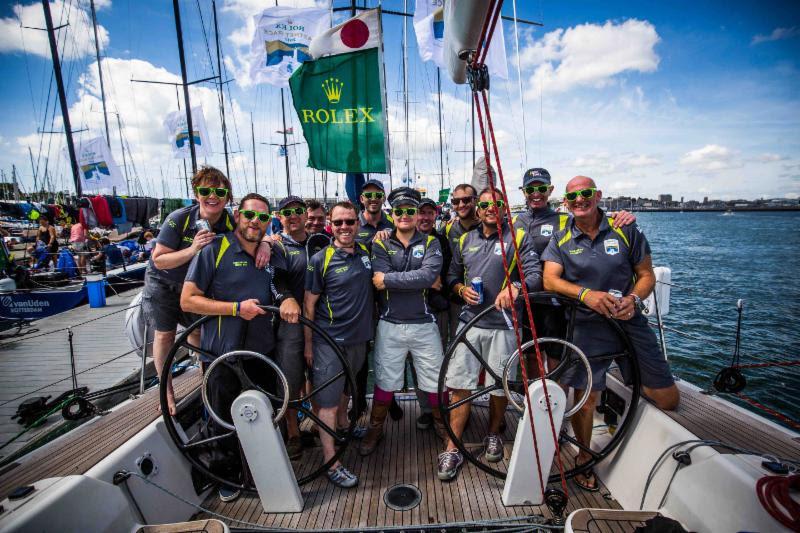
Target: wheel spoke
{"x": 573, "y": 440}
{"x": 202, "y": 442}
{"x": 320, "y": 424}
{"x": 326, "y": 383}
{"x": 189, "y": 346}
{"x": 480, "y": 359}
{"x": 477, "y": 394}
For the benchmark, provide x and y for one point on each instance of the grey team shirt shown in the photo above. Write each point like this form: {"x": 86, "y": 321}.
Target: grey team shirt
{"x": 345, "y": 306}
{"x": 480, "y": 256}
{"x": 409, "y": 273}
{"x": 227, "y": 273}
{"x": 177, "y": 232}
{"x": 601, "y": 264}
{"x": 366, "y": 232}
{"x": 541, "y": 224}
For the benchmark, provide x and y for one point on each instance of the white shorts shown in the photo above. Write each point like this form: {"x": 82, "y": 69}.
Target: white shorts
{"x": 393, "y": 342}
{"x": 495, "y": 347}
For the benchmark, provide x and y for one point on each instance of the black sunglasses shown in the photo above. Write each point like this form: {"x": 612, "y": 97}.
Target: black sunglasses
{"x": 348, "y": 221}
{"x": 249, "y": 214}
{"x": 218, "y": 191}
{"x": 466, "y": 200}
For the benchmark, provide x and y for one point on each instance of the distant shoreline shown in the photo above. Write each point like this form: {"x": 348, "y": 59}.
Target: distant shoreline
{"x": 708, "y": 209}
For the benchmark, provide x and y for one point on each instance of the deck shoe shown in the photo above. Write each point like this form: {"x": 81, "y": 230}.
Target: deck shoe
{"x": 294, "y": 448}
{"x": 449, "y": 463}
{"x": 438, "y": 425}
{"x": 342, "y": 477}
{"x": 375, "y": 431}
{"x": 425, "y": 421}
{"x": 493, "y": 447}
{"x": 228, "y": 494}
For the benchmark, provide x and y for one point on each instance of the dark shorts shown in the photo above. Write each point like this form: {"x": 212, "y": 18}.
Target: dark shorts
{"x": 161, "y": 304}
{"x": 289, "y": 355}
{"x": 327, "y": 365}
{"x": 597, "y": 339}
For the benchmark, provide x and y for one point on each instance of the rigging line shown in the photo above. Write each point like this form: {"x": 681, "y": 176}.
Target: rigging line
{"x": 519, "y": 87}
{"x": 27, "y": 69}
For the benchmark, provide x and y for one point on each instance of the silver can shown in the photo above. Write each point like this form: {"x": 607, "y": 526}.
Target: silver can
{"x": 615, "y": 293}
{"x": 202, "y": 224}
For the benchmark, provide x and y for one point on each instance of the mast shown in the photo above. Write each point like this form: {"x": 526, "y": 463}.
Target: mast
{"x": 441, "y": 144}
{"x": 122, "y": 147}
{"x": 14, "y": 182}
{"x": 519, "y": 87}
{"x": 221, "y": 92}
{"x": 62, "y": 95}
{"x": 33, "y": 168}
{"x": 405, "y": 94}
{"x": 177, "y": 9}
{"x": 253, "y": 133}
{"x": 472, "y": 123}
{"x": 100, "y": 72}
{"x": 285, "y": 147}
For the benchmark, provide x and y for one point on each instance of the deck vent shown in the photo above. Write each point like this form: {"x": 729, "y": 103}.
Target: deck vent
{"x": 402, "y": 497}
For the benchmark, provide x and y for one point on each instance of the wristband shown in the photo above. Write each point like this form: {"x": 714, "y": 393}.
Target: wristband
{"x": 235, "y": 309}
{"x": 461, "y": 291}
{"x": 582, "y": 294}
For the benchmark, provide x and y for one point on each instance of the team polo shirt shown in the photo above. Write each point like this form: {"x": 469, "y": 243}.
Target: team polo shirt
{"x": 177, "y": 232}
{"x": 225, "y": 272}
{"x": 603, "y": 263}
{"x": 453, "y": 231}
{"x": 291, "y": 257}
{"x": 344, "y": 282}
{"x": 408, "y": 274}
{"x": 479, "y": 256}
{"x": 540, "y": 224}
{"x": 367, "y": 231}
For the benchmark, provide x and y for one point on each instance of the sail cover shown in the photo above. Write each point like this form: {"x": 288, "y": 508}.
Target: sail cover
{"x": 98, "y": 172}
{"x": 178, "y": 133}
{"x": 280, "y": 43}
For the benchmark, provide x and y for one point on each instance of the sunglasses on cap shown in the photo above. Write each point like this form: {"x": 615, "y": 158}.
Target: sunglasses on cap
{"x": 219, "y": 192}
{"x": 376, "y": 195}
{"x": 400, "y": 211}
{"x": 347, "y": 221}
{"x": 487, "y": 205}
{"x": 585, "y": 193}
{"x": 465, "y": 200}
{"x": 289, "y": 211}
{"x": 530, "y": 189}
{"x": 249, "y": 214}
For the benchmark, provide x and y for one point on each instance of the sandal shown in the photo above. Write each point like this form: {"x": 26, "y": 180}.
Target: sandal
{"x": 590, "y": 482}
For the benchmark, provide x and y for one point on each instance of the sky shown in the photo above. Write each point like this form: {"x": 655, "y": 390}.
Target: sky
{"x": 692, "y": 99}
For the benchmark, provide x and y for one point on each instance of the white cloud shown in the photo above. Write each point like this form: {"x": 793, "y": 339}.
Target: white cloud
{"x": 589, "y": 55}
{"x": 771, "y": 158}
{"x": 776, "y": 35}
{"x": 711, "y": 157}
{"x": 79, "y": 40}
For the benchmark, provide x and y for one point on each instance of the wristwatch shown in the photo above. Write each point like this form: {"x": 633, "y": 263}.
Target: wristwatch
{"x": 638, "y": 303}
{"x": 517, "y": 284}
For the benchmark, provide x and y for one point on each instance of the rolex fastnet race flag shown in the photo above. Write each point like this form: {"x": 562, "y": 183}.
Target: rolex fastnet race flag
{"x": 99, "y": 173}
{"x": 339, "y": 98}
{"x": 178, "y": 132}
{"x": 280, "y": 43}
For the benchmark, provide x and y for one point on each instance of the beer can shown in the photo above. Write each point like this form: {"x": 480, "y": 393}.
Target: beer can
{"x": 615, "y": 293}
{"x": 477, "y": 285}
{"x": 202, "y": 224}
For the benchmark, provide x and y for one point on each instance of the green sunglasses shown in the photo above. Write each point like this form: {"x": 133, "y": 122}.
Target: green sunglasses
{"x": 400, "y": 211}
{"x": 292, "y": 211}
{"x": 586, "y": 193}
{"x": 541, "y": 189}
{"x": 377, "y": 195}
{"x": 249, "y": 214}
{"x": 206, "y": 191}
{"x": 486, "y": 205}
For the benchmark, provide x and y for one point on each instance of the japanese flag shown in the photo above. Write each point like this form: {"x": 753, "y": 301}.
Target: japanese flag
{"x": 358, "y": 33}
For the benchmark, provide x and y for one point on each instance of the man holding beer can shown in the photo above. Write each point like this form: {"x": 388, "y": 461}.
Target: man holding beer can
{"x": 476, "y": 274}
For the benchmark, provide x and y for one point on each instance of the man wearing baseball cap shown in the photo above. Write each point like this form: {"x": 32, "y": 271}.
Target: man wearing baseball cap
{"x": 372, "y": 220}
{"x": 404, "y": 266}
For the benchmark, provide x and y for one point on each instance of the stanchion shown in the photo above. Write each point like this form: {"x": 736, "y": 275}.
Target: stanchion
{"x": 144, "y": 359}
{"x": 72, "y": 359}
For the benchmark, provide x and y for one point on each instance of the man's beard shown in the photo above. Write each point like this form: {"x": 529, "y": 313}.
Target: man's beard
{"x": 243, "y": 234}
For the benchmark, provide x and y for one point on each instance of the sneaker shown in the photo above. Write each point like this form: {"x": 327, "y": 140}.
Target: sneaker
{"x": 342, "y": 477}
{"x": 294, "y": 447}
{"x": 228, "y": 494}
{"x": 449, "y": 463}
{"x": 493, "y": 447}
{"x": 425, "y": 421}
{"x": 358, "y": 433}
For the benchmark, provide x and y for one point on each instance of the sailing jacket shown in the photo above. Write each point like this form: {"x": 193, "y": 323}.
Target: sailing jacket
{"x": 540, "y": 224}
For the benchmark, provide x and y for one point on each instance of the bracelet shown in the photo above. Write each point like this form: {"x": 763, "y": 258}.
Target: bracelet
{"x": 235, "y": 309}
{"x": 582, "y": 294}
{"x": 461, "y": 291}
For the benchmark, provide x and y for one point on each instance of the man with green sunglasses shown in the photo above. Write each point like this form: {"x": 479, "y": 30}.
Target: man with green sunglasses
{"x": 372, "y": 219}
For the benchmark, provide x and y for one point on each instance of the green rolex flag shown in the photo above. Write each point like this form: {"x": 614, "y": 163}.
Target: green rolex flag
{"x": 339, "y": 101}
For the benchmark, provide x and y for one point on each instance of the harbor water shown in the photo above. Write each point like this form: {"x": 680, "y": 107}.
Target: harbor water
{"x": 717, "y": 259}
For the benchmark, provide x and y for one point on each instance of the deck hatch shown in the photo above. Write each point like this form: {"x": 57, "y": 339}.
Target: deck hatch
{"x": 402, "y": 497}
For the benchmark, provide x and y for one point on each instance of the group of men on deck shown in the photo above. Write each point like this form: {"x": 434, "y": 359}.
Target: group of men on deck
{"x": 394, "y": 281}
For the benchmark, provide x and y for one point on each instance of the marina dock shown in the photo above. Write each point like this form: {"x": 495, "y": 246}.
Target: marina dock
{"x": 38, "y": 363}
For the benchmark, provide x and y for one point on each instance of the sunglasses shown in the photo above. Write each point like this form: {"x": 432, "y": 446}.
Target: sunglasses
{"x": 486, "y": 205}
{"x": 541, "y": 189}
{"x": 464, "y": 200}
{"x": 219, "y": 192}
{"x": 400, "y": 211}
{"x": 373, "y": 195}
{"x": 292, "y": 211}
{"x": 249, "y": 214}
{"x": 586, "y": 193}
{"x": 348, "y": 221}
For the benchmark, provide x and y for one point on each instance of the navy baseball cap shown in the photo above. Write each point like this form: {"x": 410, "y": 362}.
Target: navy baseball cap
{"x": 377, "y": 183}
{"x": 289, "y": 200}
{"x": 534, "y": 175}
{"x": 404, "y": 196}
{"x": 427, "y": 201}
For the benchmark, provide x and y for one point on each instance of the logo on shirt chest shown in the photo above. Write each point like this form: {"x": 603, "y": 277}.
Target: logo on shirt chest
{"x": 546, "y": 230}
{"x": 294, "y": 252}
{"x": 367, "y": 264}
{"x": 498, "y": 250}
{"x": 240, "y": 263}
{"x": 363, "y": 234}
{"x": 342, "y": 269}
{"x": 612, "y": 246}
{"x": 418, "y": 251}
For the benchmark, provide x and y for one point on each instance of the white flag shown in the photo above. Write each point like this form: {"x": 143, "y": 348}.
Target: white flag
{"x": 358, "y": 33}
{"x": 98, "y": 171}
{"x": 429, "y": 28}
{"x": 178, "y": 133}
{"x": 280, "y": 43}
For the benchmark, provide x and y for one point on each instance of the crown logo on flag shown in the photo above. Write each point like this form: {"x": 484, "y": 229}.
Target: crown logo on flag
{"x": 333, "y": 89}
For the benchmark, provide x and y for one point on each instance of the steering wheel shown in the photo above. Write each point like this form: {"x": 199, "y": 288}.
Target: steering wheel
{"x": 571, "y": 356}
{"x": 197, "y": 446}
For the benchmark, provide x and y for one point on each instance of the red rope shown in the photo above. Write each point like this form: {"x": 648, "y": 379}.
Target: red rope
{"x": 774, "y": 494}
{"x": 492, "y": 26}
{"x": 783, "y": 418}
{"x": 484, "y": 28}
{"x": 764, "y": 365}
